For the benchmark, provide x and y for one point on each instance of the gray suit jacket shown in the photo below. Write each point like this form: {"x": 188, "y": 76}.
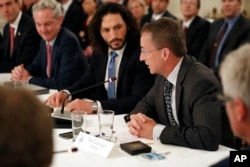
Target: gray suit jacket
{"x": 197, "y": 106}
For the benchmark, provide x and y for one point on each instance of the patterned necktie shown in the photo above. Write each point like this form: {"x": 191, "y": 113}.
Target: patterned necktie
{"x": 49, "y": 56}
{"x": 167, "y": 95}
{"x": 217, "y": 42}
{"x": 12, "y": 40}
{"x": 111, "y": 73}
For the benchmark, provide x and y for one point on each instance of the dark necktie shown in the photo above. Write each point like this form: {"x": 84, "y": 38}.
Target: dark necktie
{"x": 216, "y": 44}
{"x": 12, "y": 40}
{"x": 111, "y": 73}
{"x": 168, "y": 98}
{"x": 49, "y": 56}
{"x": 185, "y": 29}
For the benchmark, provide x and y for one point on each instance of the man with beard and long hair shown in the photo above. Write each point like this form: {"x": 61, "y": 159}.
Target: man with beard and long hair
{"x": 112, "y": 30}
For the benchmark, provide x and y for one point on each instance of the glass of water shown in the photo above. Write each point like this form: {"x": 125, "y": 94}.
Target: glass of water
{"x": 106, "y": 120}
{"x": 79, "y": 119}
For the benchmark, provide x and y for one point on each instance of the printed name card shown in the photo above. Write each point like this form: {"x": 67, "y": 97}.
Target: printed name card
{"x": 93, "y": 144}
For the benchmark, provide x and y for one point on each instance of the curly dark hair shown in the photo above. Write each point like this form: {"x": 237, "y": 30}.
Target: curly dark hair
{"x": 96, "y": 39}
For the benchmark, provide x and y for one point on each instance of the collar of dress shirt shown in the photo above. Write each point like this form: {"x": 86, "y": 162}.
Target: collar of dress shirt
{"x": 157, "y": 16}
{"x": 172, "y": 77}
{"x": 51, "y": 42}
{"x": 119, "y": 51}
{"x": 16, "y": 22}
{"x": 66, "y": 6}
{"x": 187, "y": 23}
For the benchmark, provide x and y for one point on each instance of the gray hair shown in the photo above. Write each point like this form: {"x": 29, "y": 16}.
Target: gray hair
{"x": 48, "y": 4}
{"x": 235, "y": 74}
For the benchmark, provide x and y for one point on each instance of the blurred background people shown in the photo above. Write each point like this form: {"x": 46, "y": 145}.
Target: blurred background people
{"x": 73, "y": 16}
{"x": 235, "y": 79}
{"x": 20, "y": 41}
{"x": 59, "y": 62}
{"x": 26, "y": 130}
{"x": 27, "y": 6}
{"x": 159, "y": 9}
{"x": 195, "y": 27}
{"x": 89, "y": 7}
{"x": 138, "y": 9}
{"x": 225, "y": 35}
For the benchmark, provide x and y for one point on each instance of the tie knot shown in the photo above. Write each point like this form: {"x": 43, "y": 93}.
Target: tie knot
{"x": 168, "y": 85}
{"x": 12, "y": 29}
{"x": 113, "y": 54}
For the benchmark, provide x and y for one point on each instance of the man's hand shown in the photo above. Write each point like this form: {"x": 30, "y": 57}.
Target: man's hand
{"x": 141, "y": 125}
{"x": 80, "y": 105}
{"x": 20, "y": 73}
{"x": 56, "y": 99}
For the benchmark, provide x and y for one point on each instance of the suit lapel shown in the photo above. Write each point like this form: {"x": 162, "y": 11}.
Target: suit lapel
{"x": 19, "y": 34}
{"x": 180, "y": 78}
{"x": 124, "y": 61}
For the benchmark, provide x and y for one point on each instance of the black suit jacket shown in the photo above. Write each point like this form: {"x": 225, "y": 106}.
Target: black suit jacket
{"x": 148, "y": 18}
{"x": 236, "y": 37}
{"x": 68, "y": 62}
{"x": 73, "y": 19}
{"x": 197, "y": 106}
{"x": 133, "y": 82}
{"x": 196, "y": 34}
{"x": 26, "y": 45}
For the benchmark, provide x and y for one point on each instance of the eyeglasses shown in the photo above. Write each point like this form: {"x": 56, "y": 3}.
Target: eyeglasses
{"x": 224, "y": 98}
{"x": 144, "y": 51}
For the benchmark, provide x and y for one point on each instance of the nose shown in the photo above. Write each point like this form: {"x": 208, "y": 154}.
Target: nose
{"x": 113, "y": 34}
{"x": 142, "y": 57}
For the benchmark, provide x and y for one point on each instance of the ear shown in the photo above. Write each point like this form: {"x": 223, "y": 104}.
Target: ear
{"x": 240, "y": 109}
{"x": 165, "y": 53}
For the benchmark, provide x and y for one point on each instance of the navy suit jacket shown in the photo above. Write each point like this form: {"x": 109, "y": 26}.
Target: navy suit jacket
{"x": 148, "y": 18}
{"x": 26, "y": 45}
{"x": 235, "y": 38}
{"x": 198, "y": 109}
{"x": 68, "y": 62}
{"x": 133, "y": 82}
{"x": 196, "y": 34}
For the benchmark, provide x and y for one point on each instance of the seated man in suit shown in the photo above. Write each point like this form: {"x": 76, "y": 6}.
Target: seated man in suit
{"x": 195, "y": 27}
{"x": 235, "y": 82}
{"x": 225, "y": 35}
{"x": 26, "y": 130}
{"x": 115, "y": 39}
{"x": 59, "y": 62}
{"x": 20, "y": 38}
{"x": 182, "y": 107}
{"x": 159, "y": 9}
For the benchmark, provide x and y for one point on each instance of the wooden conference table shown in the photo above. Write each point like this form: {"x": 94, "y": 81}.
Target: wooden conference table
{"x": 177, "y": 157}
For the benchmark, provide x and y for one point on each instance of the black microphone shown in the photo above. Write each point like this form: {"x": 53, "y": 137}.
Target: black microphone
{"x": 81, "y": 90}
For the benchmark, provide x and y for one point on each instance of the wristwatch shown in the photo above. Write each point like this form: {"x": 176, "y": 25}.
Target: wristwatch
{"x": 94, "y": 107}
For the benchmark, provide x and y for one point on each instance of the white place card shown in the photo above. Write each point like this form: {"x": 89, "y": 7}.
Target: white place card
{"x": 93, "y": 144}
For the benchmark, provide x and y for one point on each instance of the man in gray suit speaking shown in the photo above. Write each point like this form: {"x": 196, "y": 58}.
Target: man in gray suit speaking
{"x": 182, "y": 107}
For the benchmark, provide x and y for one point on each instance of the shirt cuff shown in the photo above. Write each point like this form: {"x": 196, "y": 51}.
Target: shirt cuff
{"x": 29, "y": 79}
{"x": 66, "y": 91}
{"x": 99, "y": 106}
{"x": 157, "y": 132}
